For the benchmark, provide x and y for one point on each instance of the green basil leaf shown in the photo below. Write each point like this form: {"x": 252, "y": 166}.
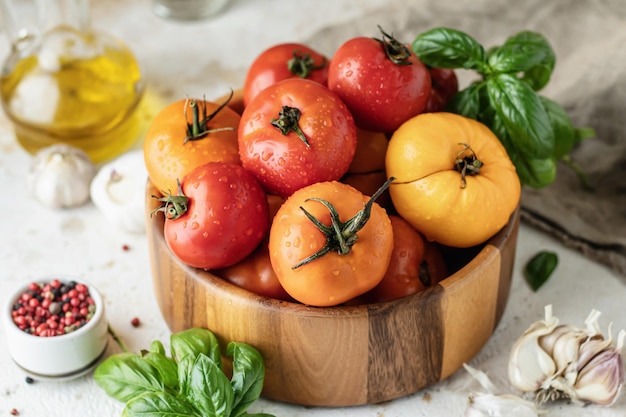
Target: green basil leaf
{"x": 540, "y": 268}
{"x": 206, "y": 386}
{"x": 248, "y": 375}
{"x": 564, "y": 134}
{"x": 583, "y": 133}
{"x": 534, "y": 172}
{"x": 449, "y": 48}
{"x": 467, "y": 101}
{"x": 528, "y": 53}
{"x": 157, "y": 347}
{"x": 167, "y": 368}
{"x": 159, "y": 404}
{"x": 124, "y": 376}
{"x": 521, "y": 111}
{"x": 193, "y": 342}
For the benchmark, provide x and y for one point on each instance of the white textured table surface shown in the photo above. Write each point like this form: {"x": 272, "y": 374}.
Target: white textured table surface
{"x": 207, "y": 58}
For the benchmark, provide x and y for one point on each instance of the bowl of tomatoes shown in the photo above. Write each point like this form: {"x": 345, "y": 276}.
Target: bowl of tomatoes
{"x": 365, "y": 256}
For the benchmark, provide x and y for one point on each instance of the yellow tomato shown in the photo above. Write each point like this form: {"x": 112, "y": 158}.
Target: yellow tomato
{"x": 455, "y": 182}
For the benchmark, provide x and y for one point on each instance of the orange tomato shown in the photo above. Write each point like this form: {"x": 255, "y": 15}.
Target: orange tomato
{"x": 369, "y": 155}
{"x": 454, "y": 180}
{"x": 368, "y": 184}
{"x": 171, "y": 151}
{"x": 333, "y": 277}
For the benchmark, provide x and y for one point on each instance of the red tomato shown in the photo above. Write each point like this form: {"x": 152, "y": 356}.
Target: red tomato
{"x": 415, "y": 265}
{"x": 382, "y": 82}
{"x": 296, "y": 133}
{"x": 444, "y": 86}
{"x": 220, "y": 216}
{"x": 284, "y": 61}
{"x": 255, "y": 273}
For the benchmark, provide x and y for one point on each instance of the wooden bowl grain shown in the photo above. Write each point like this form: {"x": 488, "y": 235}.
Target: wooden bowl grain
{"x": 345, "y": 355}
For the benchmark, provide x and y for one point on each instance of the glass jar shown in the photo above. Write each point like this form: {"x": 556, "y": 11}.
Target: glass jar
{"x": 65, "y": 83}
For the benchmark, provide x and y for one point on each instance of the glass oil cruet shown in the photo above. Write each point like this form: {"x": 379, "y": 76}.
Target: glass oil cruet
{"x": 66, "y": 83}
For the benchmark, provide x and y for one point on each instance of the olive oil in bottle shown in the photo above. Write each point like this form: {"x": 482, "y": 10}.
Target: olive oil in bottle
{"x": 72, "y": 85}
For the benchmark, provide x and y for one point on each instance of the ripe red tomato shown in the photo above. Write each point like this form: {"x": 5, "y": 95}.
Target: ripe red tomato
{"x": 315, "y": 266}
{"x": 220, "y": 216}
{"x": 295, "y": 133}
{"x": 415, "y": 265}
{"x": 255, "y": 273}
{"x": 445, "y": 85}
{"x": 282, "y": 61}
{"x": 382, "y": 82}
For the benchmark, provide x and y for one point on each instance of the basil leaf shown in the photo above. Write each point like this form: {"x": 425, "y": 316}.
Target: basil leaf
{"x": 521, "y": 111}
{"x": 564, "y": 134}
{"x": 248, "y": 376}
{"x": 159, "y": 404}
{"x": 157, "y": 347}
{"x": 206, "y": 386}
{"x": 166, "y": 367}
{"x": 540, "y": 268}
{"x": 535, "y": 172}
{"x": 467, "y": 101}
{"x": 449, "y": 48}
{"x": 124, "y": 376}
{"x": 193, "y": 342}
{"x": 528, "y": 53}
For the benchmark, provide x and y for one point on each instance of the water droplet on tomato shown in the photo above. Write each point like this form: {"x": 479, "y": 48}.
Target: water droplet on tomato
{"x": 335, "y": 272}
{"x": 194, "y": 225}
{"x": 223, "y": 178}
{"x": 205, "y": 235}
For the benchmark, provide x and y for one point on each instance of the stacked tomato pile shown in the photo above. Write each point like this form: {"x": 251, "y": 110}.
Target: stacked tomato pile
{"x": 338, "y": 180}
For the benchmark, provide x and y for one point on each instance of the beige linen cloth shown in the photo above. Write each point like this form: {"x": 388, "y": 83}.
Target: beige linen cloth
{"x": 589, "y": 81}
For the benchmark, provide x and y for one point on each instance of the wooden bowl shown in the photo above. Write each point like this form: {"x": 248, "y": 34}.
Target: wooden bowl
{"x": 345, "y": 355}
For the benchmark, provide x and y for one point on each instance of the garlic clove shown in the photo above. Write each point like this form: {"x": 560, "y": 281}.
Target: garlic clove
{"x": 489, "y": 405}
{"x": 530, "y": 367}
{"x": 118, "y": 191}
{"x": 601, "y": 380}
{"x": 492, "y": 404}
{"x": 60, "y": 176}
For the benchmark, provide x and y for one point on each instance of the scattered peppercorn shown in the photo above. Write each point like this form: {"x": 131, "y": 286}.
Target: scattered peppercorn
{"x": 53, "y": 309}
{"x": 14, "y": 412}
{"x": 29, "y": 380}
{"x": 125, "y": 247}
{"x": 135, "y": 322}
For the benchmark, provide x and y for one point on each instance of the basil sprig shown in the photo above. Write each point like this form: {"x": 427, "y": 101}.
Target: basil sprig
{"x": 190, "y": 382}
{"x": 536, "y": 131}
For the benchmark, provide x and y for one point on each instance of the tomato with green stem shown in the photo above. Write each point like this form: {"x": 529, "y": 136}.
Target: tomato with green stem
{"x": 382, "y": 81}
{"x": 186, "y": 134}
{"x": 282, "y": 61}
{"x": 295, "y": 133}
{"x": 219, "y": 216}
{"x": 330, "y": 243}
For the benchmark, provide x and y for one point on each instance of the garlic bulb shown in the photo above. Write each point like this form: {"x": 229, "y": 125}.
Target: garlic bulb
{"x": 118, "y": 190}
{"x": 60, "y": 176}
{"x": 564, "y": 361}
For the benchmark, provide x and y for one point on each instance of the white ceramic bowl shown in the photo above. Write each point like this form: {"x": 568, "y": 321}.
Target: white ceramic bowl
{"x": 59, "y": 357}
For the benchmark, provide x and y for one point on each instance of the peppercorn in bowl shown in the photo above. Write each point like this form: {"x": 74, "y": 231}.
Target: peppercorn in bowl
{"x": 55, "y": 328}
